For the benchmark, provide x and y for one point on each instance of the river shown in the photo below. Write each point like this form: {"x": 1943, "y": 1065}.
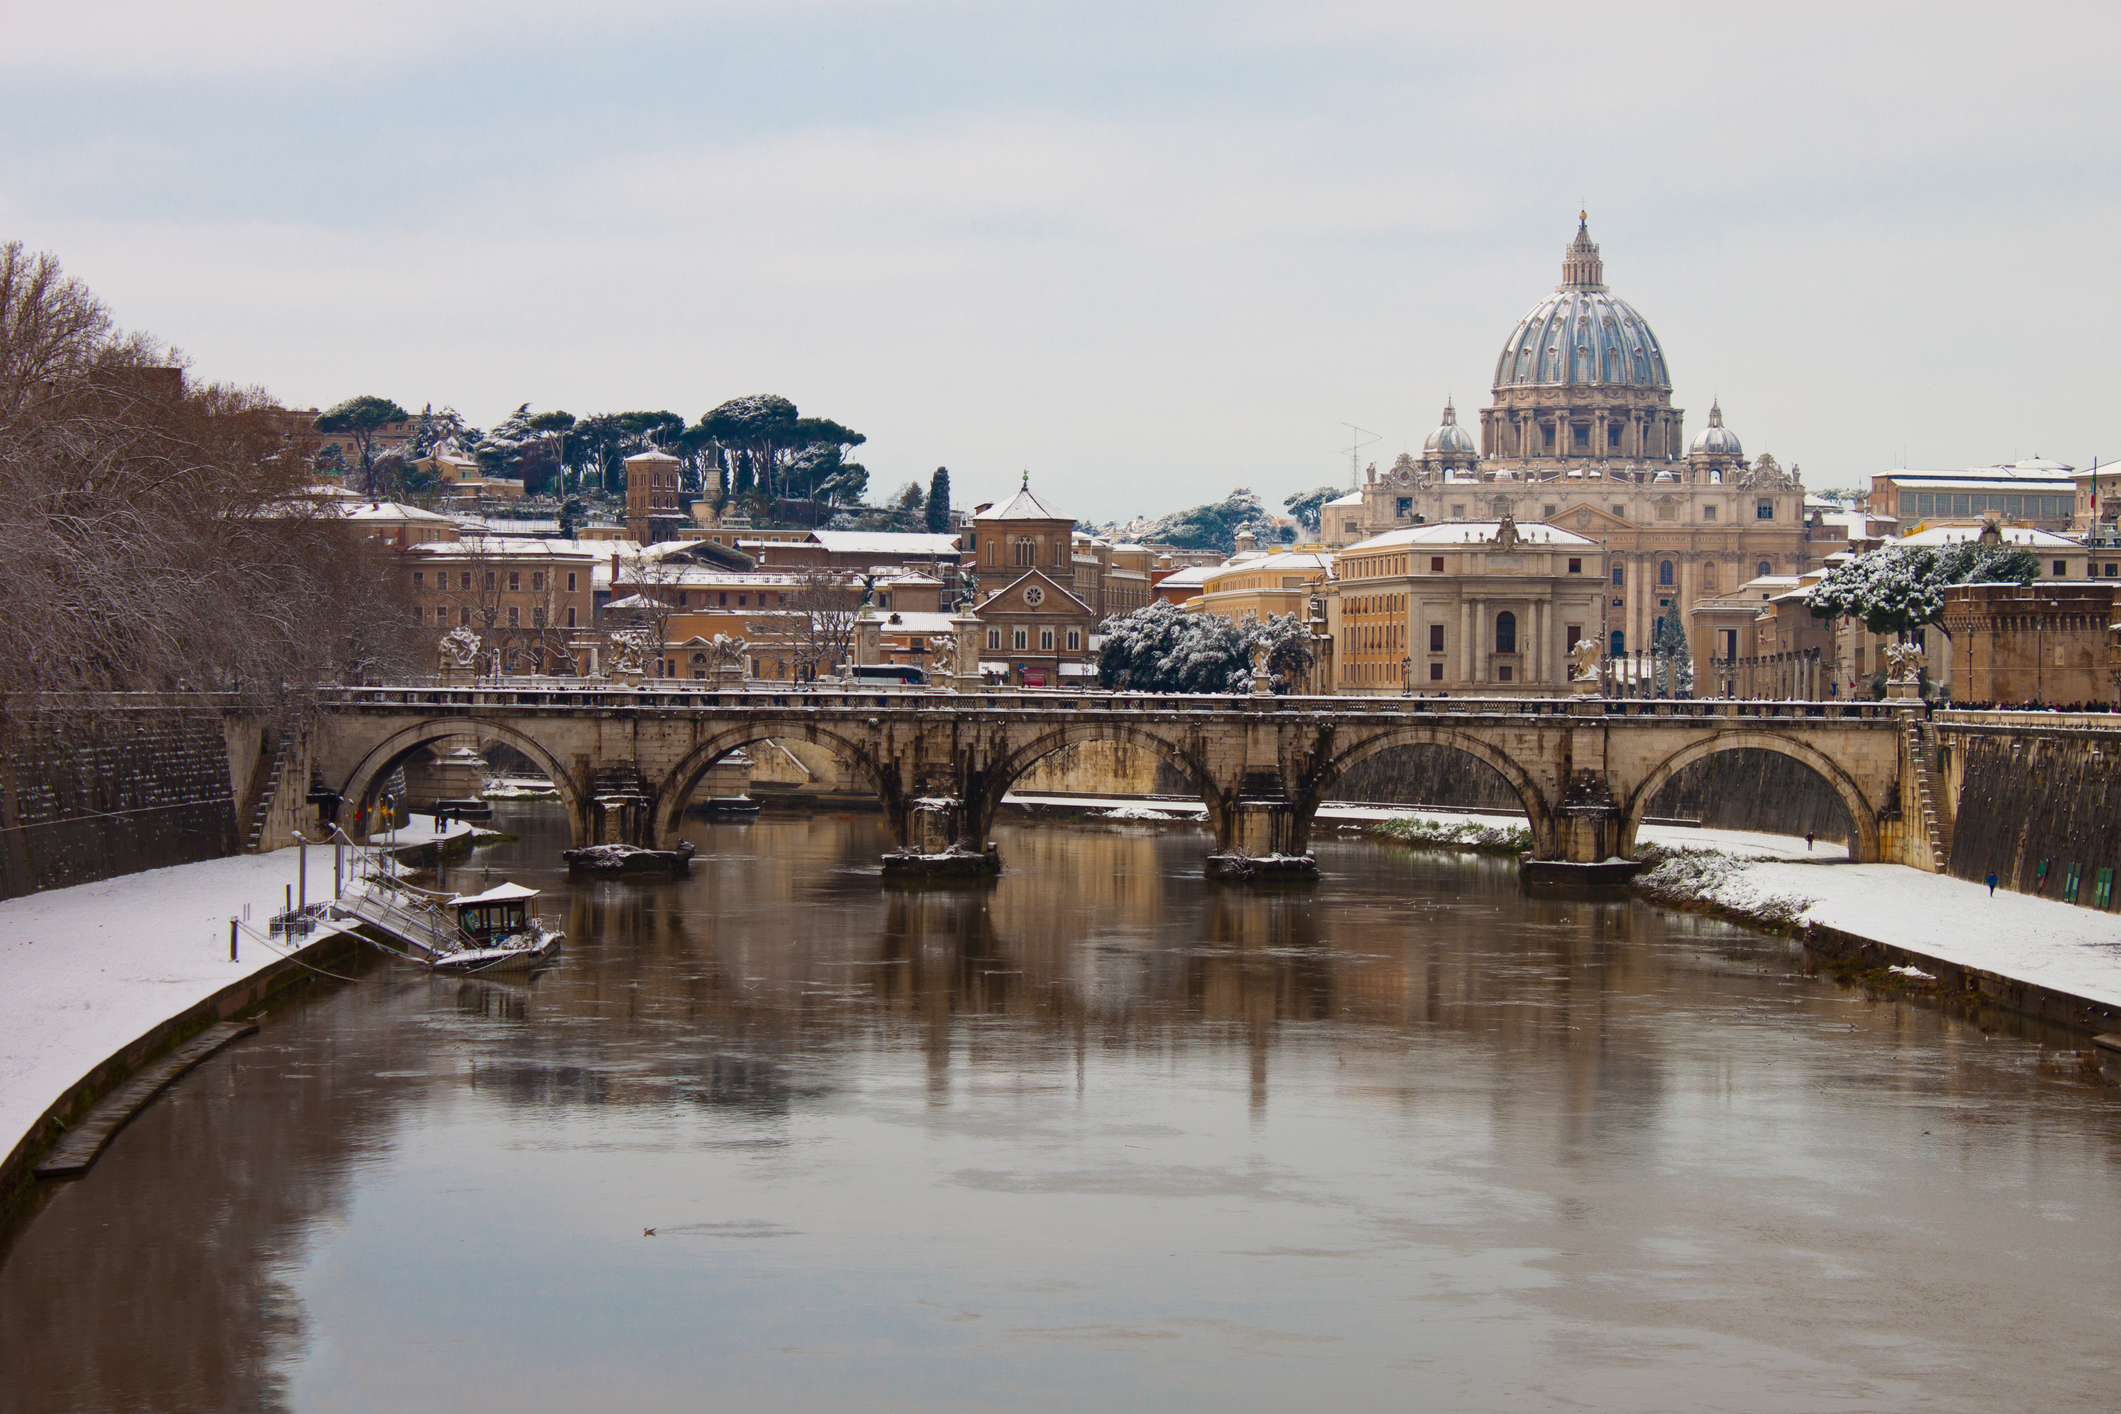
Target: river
{"x": 1099, "y": 1134}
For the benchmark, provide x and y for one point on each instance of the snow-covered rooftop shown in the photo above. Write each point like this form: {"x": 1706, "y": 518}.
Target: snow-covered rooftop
{"x": 888, "y": 542}
{"x": 1023, "y": 506}
{"x": 1471, "y": 532}
{"x": 499, "y": 893}
{"x": 507, "y": 547}
{"x": 2012, "y": 534}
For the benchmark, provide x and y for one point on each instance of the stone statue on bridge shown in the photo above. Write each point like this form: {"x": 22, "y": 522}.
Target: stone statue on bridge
{"x": 1584, "y": 653}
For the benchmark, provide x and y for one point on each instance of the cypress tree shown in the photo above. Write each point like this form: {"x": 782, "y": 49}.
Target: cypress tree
{"x": 939, "y": 501}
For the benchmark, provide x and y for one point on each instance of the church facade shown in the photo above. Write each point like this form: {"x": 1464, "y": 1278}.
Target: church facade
{"x": 1582, "y": 435}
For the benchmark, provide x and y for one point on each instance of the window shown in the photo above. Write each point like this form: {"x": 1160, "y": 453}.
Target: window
{"x": 681, "y": 598}
{"x": 1612, "y": 435}
{"x": 2112, "y": 569}
{"x": 1548, "y": 433}
{"x": 1435, "y": 672}
{"x": 464, "y": 615}
{"x": 1436, "y": 638}
{"x": 1403, "y": 507}
{"x": 1060, "y": 552}
{"x": 537, "y": 618}
{"x": 1708, "y": 576}
{"x": 994, "y": 639}
{"x": 515, "y": 582}
{"x": 1583, "y": 436}
{"x": 1764, "y": 510}
{"x": 1435, "y": 564}
{"x": 441, "y": 615}
{"x": 416, "y": 613}
{"x": 1026, "y": 552}
{"x": 1573, "y": 636}
{"x": 1547, "y": 512}
{"x": 1708, "y": 513}
{"x": 570, "y": 584}
{"x": 489, "y": 580}
{"x": 1664, "y": 573}
{"x": 1506, "y": 632}
{"x": 1619, "y": 643}
{"x": 990, "y": 559}
{"x": 1620, "y": 512}
{"x": 1765, "y": 568}
{"x": 467, "y": 579}
{"x": 1075, "y": 640}
{"x": 514, "y": 621}
{"x": 1620, "y": 574}
{"x": 419, "y": 580}
{"x": 1019, "y": 638}
{"x": 537, "y": 582}
{"x": 2061, "y": 569}
{"x": 570, "y": 618}
{"x": 1575, "y": 566}
{"x": 1502, "y": 672}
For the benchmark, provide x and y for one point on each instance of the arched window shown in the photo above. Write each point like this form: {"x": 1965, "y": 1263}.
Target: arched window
{"x": 1619, "y": 644}
{"x": 1506, "y": 632}
{"x": 1708, "y": 576}
{"x": 1766, "y": 568}
{"x": 1664, "y": 573}
{"x": 1026, "y": 551}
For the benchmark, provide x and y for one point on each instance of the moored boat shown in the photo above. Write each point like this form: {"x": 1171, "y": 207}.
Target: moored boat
{"x": 499, "y": 933}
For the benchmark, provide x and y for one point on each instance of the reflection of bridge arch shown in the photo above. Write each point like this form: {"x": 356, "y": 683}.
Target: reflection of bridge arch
{"x": 1862, "y": 849}
{"x": 1545, "y": 839}
{"x": 692, "y": 768}
{"x": 374, "y": 768}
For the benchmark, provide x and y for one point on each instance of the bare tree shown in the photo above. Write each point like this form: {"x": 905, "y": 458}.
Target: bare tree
{"x": 159, "y": 535}
{"x": 821, "y": 628}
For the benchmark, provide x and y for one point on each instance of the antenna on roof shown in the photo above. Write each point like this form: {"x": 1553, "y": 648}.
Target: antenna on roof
{"x": 1356, "y": 444}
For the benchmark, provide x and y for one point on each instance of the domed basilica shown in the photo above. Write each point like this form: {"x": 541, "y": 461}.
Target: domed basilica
{"x": 1582, "y": 434}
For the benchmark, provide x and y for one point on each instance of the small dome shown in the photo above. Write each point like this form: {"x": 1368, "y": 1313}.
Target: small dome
{"x": 1450, "y": 440}
{"x": 1716, "y": 440}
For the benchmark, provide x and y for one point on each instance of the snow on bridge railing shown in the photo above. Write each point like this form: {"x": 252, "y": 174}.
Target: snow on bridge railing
{"x": 564, "y": 695}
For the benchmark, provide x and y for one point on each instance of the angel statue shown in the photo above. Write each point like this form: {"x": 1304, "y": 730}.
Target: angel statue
{"x": 460, "y": 647}
{"x": 628, "y": 646}
{"x": 727, "y": 651}
{"x": 1585, "y": 652}
{"x": 1904, "y": 662}
{"x": 942, "y": 656}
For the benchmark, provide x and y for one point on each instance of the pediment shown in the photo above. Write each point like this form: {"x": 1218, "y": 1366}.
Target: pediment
{"x": 1036, "y": 592}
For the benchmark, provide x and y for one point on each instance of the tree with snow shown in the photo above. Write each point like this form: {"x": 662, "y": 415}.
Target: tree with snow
{"x": 1309, "y": 506}
{"x": 1672, "y": 657}
{"x": 1162, "y": 648}
{"x": 360, "y": 418}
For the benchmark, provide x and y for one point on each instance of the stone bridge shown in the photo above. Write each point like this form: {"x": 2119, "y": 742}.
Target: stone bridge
{"x": 627, "y": 760}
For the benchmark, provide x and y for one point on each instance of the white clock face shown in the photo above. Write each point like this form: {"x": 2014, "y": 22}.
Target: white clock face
{"x": 1034, "y": 596}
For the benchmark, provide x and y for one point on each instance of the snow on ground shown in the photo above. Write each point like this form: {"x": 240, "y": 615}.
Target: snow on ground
{"x": 86, "y": 971}
{"x": 2055, "y": 945}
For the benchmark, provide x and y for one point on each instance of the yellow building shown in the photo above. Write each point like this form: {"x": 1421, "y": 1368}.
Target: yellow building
{"x": 1260, "y": 586}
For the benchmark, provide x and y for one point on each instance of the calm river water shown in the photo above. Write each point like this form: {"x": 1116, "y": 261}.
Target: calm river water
{"x": 1102, "y": 1134}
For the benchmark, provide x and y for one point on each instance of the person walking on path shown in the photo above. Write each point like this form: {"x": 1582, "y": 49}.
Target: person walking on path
{"x": 1807, "y": 841}
{"x": 1992, "y": 883}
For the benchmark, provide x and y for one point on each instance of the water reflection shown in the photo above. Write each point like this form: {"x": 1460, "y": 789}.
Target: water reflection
{"x": 1101, "y": 1131}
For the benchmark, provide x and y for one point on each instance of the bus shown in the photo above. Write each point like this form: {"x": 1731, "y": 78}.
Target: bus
{"x": 890, "y": 672}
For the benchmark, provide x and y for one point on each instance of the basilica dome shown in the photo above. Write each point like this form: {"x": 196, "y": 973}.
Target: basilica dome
{"x": 1716, "y": 440}
{"x": 1582, "y": 334}
{"x": 1449, "y": 440}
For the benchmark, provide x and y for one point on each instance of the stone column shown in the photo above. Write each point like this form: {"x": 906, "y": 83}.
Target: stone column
{"x": 1465, "y": 639}
{"x": 1480, "y": 641}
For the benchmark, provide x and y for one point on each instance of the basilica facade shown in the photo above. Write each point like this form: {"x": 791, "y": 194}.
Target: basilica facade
{"x": 1582, "y": 435}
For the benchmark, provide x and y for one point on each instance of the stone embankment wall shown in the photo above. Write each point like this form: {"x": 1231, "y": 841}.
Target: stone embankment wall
{"x": 2039, "y": 805}
{"x": 87, "y": 795}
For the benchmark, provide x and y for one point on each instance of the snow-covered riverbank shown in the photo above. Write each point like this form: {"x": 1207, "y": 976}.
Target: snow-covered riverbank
{"x": 2039, "y": 942}
{"x": 86, "y": 971}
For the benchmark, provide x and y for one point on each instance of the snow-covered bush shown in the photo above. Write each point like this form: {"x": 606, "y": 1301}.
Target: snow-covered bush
{"x": 1162, "y": 648}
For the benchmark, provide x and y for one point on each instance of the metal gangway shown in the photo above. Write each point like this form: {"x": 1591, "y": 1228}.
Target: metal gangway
{"x": 411, "y": 917}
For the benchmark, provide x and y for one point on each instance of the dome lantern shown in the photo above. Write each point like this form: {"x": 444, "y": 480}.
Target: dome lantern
{"x": 1717, "y": 441}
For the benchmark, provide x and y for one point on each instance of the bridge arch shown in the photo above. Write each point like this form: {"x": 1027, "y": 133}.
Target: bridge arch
{"x": 386, "y": 756}
{"x": 1539, "y": 811}
{"x": 684, "y": 778}
{"x": 995, "y": 781}
{"x": 1862, "y": 850}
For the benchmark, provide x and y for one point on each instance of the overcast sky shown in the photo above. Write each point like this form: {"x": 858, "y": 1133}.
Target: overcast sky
{"x": 1148, "y": 252}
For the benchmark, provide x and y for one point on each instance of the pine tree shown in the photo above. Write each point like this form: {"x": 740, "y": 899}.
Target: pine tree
{"x": 1675, "y": 666}
{"x": 939, "y": 501}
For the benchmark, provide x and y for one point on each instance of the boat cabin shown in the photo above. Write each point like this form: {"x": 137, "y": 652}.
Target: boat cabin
{"x": 501, "y": 912}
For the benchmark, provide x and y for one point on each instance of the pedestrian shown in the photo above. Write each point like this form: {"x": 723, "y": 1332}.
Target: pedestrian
{"x": 1991, "y": 883}
{"x": 1807, "y": 841}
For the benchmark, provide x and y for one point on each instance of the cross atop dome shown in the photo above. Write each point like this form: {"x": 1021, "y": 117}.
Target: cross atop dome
{"x": 1581, "y": 269}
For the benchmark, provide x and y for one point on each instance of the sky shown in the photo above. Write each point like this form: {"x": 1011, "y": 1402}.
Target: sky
{"x": 1145, "y": 253}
